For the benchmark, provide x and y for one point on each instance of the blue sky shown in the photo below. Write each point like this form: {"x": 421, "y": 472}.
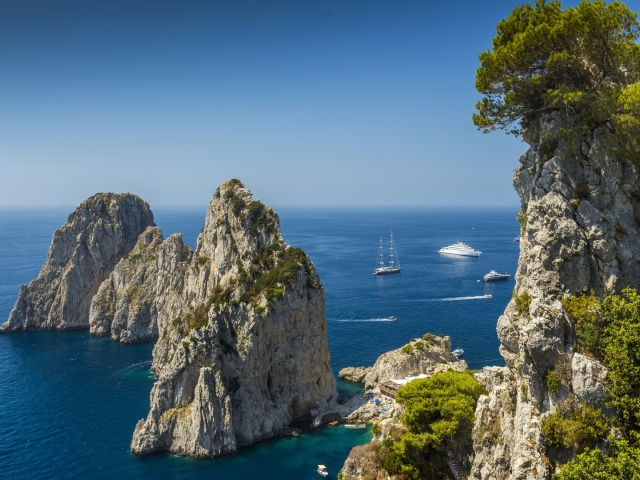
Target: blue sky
{"x": 307, "y": 102}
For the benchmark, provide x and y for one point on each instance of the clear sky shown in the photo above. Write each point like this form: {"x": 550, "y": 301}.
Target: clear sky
{"x": 308, "y": 102}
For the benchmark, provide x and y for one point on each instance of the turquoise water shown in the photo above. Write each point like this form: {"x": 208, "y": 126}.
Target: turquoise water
{"x": 69, "y": 401}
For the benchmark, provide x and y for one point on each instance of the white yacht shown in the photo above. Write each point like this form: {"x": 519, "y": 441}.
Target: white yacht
{"x": 494, "y": 276}
{"x": 458, "y": 352}
{"x": 461, "y": 249}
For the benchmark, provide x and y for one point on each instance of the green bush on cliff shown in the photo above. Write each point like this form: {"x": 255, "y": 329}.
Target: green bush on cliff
{"x": 619, "y": 460}
{"x": 439, "y": 416}
{"x": 523, "y": 303}
{"x": 582, "y": 61}
{"x": 581, "y": 428}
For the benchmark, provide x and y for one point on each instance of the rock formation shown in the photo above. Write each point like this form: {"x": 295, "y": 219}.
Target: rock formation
{"x": 400, "y": 363}
{"x": 82, "y": 254}
{"x": 580, "y": 224}
{"x": 245, "y": 350}
{"x": 143, "y": 289}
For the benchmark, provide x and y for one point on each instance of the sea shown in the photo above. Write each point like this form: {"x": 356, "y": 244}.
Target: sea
{"x": 69, "y": 402}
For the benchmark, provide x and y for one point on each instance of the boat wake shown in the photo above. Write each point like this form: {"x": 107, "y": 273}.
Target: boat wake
{"x": 358, "y": 320}
{"x": 457, "y": 299}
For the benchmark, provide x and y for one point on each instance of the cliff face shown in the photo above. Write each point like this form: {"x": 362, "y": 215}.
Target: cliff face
{"x": 143, "y": 289}
{"x": 245, "y": 350}
{"x": 82, "y": 254}
{"x": 580, "y": 230}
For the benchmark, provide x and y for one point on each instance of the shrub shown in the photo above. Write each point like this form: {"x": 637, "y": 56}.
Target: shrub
{"x": 203, "y": 260}
{"x": 584, "y": 310}
{"x": 547, "y": 149}
{"x": 419, "y": 346}
{"x": 618, "y": 460}
{"x": 135, "y": 257}
{"x": 523, "y": 303}
{"x": 582, "y": 428}
{"x": 185, "y": 345}
{"x": 377, "y": 429}
{"x": 522, "y": 220}
{"x": 428, "y": 337}
{"x": 408, "y": 349}
{"x": 553, "y": 382}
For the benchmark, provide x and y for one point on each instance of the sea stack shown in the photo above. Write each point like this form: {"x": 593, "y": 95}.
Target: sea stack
{"x": 143, "y": 289}
{"x": 246, "y": 351}
{"x": 580, "y": 233}
{"x": 83, "y": 252}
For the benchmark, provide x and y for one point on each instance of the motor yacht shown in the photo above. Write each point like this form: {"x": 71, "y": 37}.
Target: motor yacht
{"x": 461, "y": 249}
{"x": 494, "y": 276}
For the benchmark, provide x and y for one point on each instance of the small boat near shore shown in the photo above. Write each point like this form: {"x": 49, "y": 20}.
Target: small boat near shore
{"x": 458, "y": 352}
{"x": 322, "y": 470}
{"x": 355, "y": 425}
{"x": 334, "y": 423}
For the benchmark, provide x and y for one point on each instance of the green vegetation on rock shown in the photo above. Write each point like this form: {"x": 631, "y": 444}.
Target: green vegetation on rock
{"x": 439, "y": 416}
{"x": 523, "y": 303}
{"x": 579, "y": 428}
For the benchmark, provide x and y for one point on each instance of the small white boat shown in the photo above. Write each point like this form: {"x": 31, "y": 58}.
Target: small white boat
{"x": 494, "y": 276}
{"x": 458, "y": 352}
{"x": 355, "y": 425}
{"x": 460, "y": 249}
{"x": 322, "y": 470}
{"x": 392, "y": 318}
{"x": 487, "y": 295}
{"x": 517, "y": 239}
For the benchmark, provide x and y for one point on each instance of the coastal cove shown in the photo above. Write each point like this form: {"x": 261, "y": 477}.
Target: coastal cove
{"x": 69, "y": 401}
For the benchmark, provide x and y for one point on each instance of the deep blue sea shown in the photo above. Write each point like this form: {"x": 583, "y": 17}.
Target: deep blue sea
{"x": 69, "y": 401}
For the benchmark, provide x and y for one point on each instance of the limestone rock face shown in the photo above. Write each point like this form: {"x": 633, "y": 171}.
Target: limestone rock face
{"x": 244, "y": 352}
{"x": 144, "y": 286}
{"x": 399, "y": 364}
{"x": 580, "y": 215}
{"x": 82, "y": 254}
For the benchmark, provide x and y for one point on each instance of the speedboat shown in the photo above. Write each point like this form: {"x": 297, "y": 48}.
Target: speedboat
{"x": 392, "y": 318}
{"x": 494, "y": 276}
{"x": 487, "y": 295}
{"x": 355, "y": 425}
{"x": 460, "y": 249}
{"x": 322, "y": 470}
{"x": 458, "y": 352}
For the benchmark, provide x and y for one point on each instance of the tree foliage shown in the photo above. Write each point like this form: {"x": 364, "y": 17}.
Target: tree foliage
{"x": 619, "y": 460}
{"x": 583, "y": 61}
{"x": 439, "y": 414}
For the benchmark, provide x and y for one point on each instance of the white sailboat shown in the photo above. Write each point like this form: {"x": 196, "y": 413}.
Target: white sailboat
{"x": 393, "y": 265}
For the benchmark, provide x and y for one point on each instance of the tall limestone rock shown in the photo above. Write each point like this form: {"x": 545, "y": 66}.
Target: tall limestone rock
{"x": 580, "y": 228}
{"x": 82, "y": 254}
{"x": 246, "y": 352}
{"x": 144, "y": 286}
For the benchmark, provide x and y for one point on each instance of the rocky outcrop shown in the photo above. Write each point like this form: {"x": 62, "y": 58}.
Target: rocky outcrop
{"x": 143, "y": 289}
{"x": 245, "y": 350}
{"x": 82, "y": 254}
{"x": 580, "y": 223}
{"x": 402, "y": 362}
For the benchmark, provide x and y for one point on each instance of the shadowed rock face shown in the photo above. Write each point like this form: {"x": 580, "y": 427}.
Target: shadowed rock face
{"x": 244, "y": 351}
{"x": 82, "y": 254}
{"x": 581, "y": 234}
{"x": 144, "y": 286}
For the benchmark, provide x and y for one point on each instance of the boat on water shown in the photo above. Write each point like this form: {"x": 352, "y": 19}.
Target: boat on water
{"x": 458, "y": 352}
{"x": 487, "y": 295}
{"x": 322, "y": 470}
{"x": 494, "y": 276}
{"x": 355, "y": 425}
{"x": 334, "y": 423}
{"x": 517, "y": 239}
{"x": 460, "y": 249}
{"x": 392, "y": 318}
{"x": 393, "y": 265}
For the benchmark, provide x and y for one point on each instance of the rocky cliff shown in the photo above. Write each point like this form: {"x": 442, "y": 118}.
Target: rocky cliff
{"x": 82, "y": 254}
{"x": 580, "y": 224}
{"x": 405, "y": 361}
{"x": 143, "y": 289}
{"x": 245, "y": 350}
